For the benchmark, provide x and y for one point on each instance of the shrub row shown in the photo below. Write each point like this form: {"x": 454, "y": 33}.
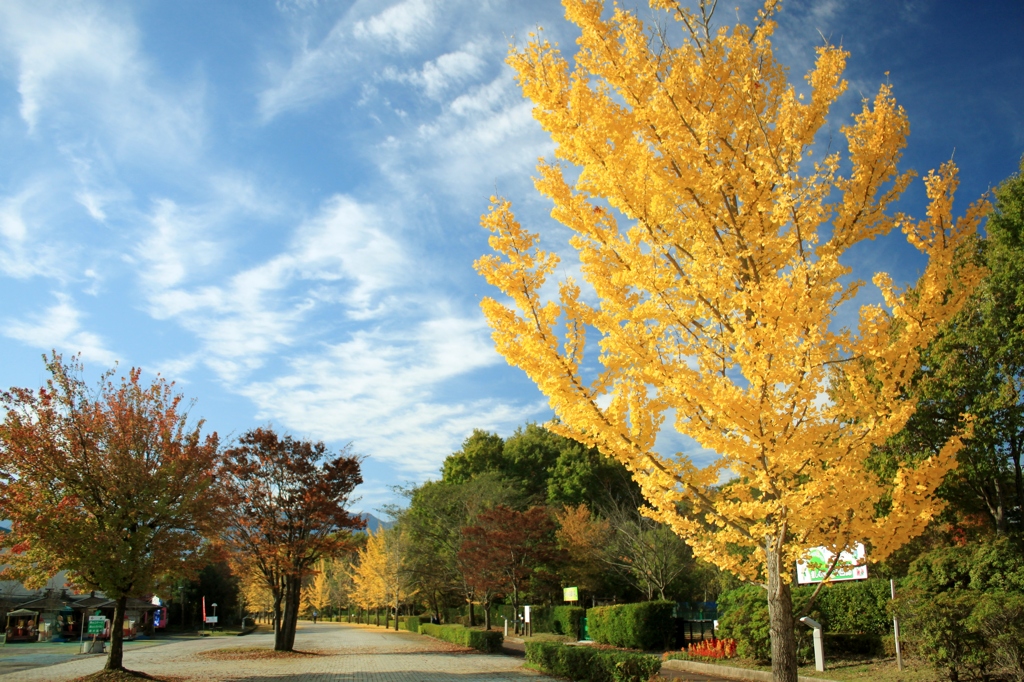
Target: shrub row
{"x": 647, "y": 625}
{"x": 481, "y": 640}
{"x": 566, "y": 620}
{"x": 410, "y": 623}
{"x": 591, "y": 665}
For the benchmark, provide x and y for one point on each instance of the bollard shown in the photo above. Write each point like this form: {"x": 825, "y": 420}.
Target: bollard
{"x": 819, "y": 648}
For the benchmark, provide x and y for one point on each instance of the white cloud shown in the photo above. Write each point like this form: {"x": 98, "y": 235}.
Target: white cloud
{"x": 343, "y": 256}
{"x": 437, "y": 76}
{"x": 400, "y": 26}
{"x": 78, "y": 65}
{"x": 347, "y": 55}
{"x": 24, "y": 252}
{"x": 383, "y": 387}
{"x": 59, "y": 327}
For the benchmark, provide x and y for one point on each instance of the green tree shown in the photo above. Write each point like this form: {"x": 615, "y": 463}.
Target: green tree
{"x": 481, "y": 451}
{"x": 437, "y": 514}
{"x": 975, "y": 367}
{"x": 113, "y": 485}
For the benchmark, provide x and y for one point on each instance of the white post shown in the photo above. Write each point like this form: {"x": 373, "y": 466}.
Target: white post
{"x": 896, "y": 627}
{"x": 819, "y": 647}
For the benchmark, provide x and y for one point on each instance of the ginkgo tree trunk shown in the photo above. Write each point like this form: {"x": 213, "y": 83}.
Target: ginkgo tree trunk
{"x": 710, "y": 241}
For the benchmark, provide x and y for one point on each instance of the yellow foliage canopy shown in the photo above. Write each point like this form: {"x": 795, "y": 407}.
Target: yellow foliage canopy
{"x": 710, "y": 245}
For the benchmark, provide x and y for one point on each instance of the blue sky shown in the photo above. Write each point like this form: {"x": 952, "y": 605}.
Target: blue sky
{"x": 277, "y": 204}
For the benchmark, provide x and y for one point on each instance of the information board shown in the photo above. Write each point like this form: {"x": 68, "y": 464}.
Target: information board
{"x": 97, "y": 624}
{"x": 851, "y": 566}
{"x": 570, "y": 594}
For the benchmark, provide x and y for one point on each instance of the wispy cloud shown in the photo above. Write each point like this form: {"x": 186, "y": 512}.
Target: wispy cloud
{"x": 24, "y": 249}
{"x": 59, "y": 327}
{"x": 438, "y": 76}
{"x": 347, "y": 54}
{"x": 383, "y": 389}
{"x": 79, "y": 66}
{"x": 343, "y": 257}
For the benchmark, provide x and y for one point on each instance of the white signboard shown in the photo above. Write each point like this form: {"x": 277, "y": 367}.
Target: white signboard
{"x": 526, "y": 614}
{"x": 211, "y": 619}
{"x": 815, "y": 566}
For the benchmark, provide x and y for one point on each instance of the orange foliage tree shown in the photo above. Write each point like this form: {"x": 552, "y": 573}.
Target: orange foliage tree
{"x": 112, "y": 485}
{"x": 710, "y": 242}
{"x": 288, "y": 511}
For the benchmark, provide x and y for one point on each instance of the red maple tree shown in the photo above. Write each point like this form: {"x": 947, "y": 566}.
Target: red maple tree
{"x": 506, "y": 551}
{"x": 289, "y": 511}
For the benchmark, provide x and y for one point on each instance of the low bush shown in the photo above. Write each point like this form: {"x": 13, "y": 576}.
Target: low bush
{"x": 647, "y": 625}
{"x": 585, "y": 664}
{"x": 488, "y": 641}
{"x": 859, "y": 606}
{"x": 743, "y": 616}
{"x": 566, "y": 620}
{"x": 412, "y": 624}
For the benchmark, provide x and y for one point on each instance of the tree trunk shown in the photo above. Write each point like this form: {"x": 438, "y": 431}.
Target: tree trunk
{"x": 472, "y": 619}
{"x": 115, "y": 660}
{"x": 780, "y": 617}
{"x": 278, "y": 597}
{"x": 284, "y": 639}
{"x": 487, "y": 615}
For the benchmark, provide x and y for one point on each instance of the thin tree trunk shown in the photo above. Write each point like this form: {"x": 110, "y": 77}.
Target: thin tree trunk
{"x": 472, "y": 619}
{"x": 780, "y": 617}
{"x": 115, "y": 660}
{"x": 278, "y": 598}
{"x": 487, "y": 615}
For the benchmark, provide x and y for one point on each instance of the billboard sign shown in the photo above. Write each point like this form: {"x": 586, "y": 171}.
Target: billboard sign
{"x": 814, "y": 567}
{"x": 570, "y": 594}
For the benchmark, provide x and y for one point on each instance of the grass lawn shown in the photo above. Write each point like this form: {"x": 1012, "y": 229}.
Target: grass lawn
{"x": 858, "y": 670}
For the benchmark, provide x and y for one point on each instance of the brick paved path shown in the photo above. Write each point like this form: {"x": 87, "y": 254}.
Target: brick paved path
{"x": 346, "y": 653}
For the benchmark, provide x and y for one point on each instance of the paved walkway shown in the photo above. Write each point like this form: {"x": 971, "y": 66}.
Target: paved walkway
{"x": 336, "y": 653}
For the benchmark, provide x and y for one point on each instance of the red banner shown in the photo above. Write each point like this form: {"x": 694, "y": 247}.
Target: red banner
{"x": 204, "y": 609}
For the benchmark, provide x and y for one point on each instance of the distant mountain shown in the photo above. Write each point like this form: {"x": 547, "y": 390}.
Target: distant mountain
{"x": 373, "y": 523}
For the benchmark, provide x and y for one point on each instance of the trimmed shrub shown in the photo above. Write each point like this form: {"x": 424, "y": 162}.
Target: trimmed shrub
{"x": 482, "y": 640}
{"x": 412, "y": 624}
{"x": 566, "y": 620}
{"x": 860, "y": 606}
{"x": 585, "y": 664}
{"x": 648, "y": 625}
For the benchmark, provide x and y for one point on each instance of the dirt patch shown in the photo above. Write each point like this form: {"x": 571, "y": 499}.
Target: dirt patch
{"x": 250, "y": 653}
{"x": 125, "y": 676}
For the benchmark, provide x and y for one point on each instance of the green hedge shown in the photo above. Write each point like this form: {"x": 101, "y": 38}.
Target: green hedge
{"x": 482, "y": 640}
{"x": 860, "y": 606}
{"x": 647, "y": 625}
{"x": 565, "y": 620}
{"x": 410, "y": 623}
{"x": 587, "y": 664}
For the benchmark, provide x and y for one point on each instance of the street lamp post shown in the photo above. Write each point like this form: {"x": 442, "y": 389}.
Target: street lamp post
{"x": 214, "y": 605}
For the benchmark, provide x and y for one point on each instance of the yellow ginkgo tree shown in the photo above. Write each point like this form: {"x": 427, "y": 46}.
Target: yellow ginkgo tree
{"x": 710, "y": 241}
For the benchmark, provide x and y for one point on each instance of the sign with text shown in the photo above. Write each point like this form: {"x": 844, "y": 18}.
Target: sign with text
{"x": 570, "y": 594}
{"x": 815, "y": 566}
{"x": 211, "y": 619}
{"x": 97, "y": 624}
